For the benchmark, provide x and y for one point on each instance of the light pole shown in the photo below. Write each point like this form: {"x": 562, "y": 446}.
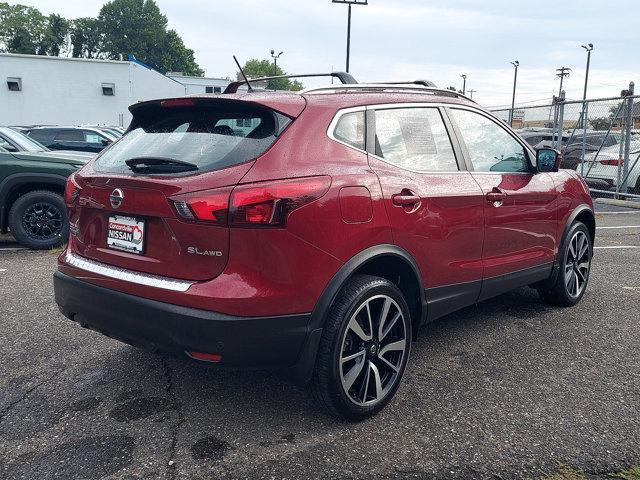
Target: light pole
{"x": 588, "y": 47}
{"x": 515, "y": 64}
{"x": 349, "y": 3}
{"x": 464, "y": 84}
{"x": 275, "y": 61}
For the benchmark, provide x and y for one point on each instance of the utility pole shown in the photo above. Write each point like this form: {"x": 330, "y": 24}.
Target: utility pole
{"x": 515, "y": 64}
{"x": 562, "y": 72}
{"x": 464, "y": 84}
{"x": 349, "y": 3}
{"x": 471, "y": 92}
{"x": 275, "y": 61}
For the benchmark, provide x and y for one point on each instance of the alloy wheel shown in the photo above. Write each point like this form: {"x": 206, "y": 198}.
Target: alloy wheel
{"x": 576, "y": 265}
{"x": 42, "y": 221}
{"x": 372, "y": 351}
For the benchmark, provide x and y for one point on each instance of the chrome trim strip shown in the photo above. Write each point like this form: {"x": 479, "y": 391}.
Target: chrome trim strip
{"x": 127, "y": 275}
{"x": 334, "y": 123}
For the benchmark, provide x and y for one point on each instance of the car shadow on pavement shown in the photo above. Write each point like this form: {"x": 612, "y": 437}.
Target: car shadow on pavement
{"x": 255, "y": 397}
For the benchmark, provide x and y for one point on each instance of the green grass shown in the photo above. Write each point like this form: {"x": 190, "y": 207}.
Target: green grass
{"x": 565, "y": 473}
{"x": 58, "y": 250}
{"x": 632, "y": 473}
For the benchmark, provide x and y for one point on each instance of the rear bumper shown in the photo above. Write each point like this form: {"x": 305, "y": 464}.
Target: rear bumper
{"x": 269, "y": 342}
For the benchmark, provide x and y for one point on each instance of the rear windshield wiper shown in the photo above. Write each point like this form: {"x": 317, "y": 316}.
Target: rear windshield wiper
{"x": 159, "y": 165}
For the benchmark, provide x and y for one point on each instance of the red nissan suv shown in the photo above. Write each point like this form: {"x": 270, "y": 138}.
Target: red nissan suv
{"x": 315, "y": 232}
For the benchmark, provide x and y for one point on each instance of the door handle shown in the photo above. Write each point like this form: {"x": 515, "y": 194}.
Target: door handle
{"x": 496, "y": 196}
{"x": 405, "y": 199}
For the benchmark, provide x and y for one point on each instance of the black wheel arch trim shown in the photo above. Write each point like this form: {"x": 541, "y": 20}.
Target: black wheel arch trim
{"x": 302, "y": 371}
{"x": 18, "y": 179}
{"x": 565, "y": 232}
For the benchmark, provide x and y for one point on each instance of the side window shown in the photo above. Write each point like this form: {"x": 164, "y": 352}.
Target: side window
{"x": 350, "y": 129}
{"x": 490, "y": 146}
{"x": 415, "y": 139}
{"x": 69, "y": 136}
{"x": 92, "y": 137}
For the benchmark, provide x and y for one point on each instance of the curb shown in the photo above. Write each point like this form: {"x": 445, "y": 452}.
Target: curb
{"x": 619, "y": 203}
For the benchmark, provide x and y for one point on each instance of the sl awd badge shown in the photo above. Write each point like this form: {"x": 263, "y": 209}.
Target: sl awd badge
{"x": 206, "y": 253}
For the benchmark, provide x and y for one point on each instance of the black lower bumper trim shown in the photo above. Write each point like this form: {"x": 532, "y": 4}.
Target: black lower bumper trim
{"x": 242, "y": 341}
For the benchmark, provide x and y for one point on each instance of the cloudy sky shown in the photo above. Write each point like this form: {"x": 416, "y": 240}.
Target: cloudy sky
{"x": 410, "y": 39}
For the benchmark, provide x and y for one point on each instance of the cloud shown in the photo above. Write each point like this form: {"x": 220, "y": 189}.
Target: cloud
{"x": 411, "y": 39}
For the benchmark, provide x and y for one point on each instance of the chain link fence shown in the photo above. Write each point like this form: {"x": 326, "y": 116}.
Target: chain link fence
{"x": 599, "y": 138}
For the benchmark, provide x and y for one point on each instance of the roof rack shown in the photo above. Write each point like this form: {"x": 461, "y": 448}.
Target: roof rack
{"x": 424, "y": 83}
{"x": 344, "y": 77}
{"x": 412, "y": 86}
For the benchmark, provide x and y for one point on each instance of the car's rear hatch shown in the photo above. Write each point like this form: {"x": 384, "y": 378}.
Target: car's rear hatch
{"x": 129, "y": 210}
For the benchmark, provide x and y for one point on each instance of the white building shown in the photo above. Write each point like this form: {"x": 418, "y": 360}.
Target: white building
{"x": 40, "y": 90}
{"x": 196, "y": 85}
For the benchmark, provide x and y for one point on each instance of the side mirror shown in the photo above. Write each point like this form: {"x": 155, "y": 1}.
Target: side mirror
{"x": 548, "y": 159}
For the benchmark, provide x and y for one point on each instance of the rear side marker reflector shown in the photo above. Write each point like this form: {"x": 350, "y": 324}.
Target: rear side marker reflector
{"x": 183, "y": 210}
{"x": 205, "y": 357}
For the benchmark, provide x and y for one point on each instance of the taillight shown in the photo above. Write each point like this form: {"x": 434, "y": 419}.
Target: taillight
{"x": 207, "y": 206}
{"x": 267, "y": 204}
{"x": 264, "y": 204}
{"x": 71, "y": 190}
{"x": 615, "y": 162}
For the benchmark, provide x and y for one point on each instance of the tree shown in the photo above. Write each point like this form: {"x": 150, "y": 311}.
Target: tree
{"x": 137, "y": 27}
{"x": 176, "y": 57}
{"x": 123, "y": 27}
{"x": 600, "y": 123}
{"x": 86, "y": 38}
{"x": 255, "y": 68}
{"x": 55, "y": 35}
{"x": 21, "y": 28}
{"x": 26, "y": 30}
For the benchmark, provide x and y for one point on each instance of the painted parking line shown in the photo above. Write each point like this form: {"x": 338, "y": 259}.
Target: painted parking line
{"x": 630, "y": 212}
{"x": 615, "y": 247}
{"x": 618, "y": 226}
{"x": 3, "y": 270}
{"x": 11, "y": 249}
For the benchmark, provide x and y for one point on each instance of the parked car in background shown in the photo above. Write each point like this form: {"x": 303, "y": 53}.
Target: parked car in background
{"x": 601, "y": 168}
{"x": 15, "y": 141}
{"x": 32, "y": 204}
{"x": 319, "y": 237}
{"x": 593, "y": 140}
{"x": 571, "y": 143}
{"x": 112, "y": 131}
{"x": 535, "y": 136}
{"x": 83, "y": 139}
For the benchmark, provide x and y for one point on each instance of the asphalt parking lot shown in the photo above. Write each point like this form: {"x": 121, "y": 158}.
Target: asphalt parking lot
{"x": 509, "y": 388}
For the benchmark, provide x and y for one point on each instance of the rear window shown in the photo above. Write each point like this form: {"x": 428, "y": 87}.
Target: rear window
{"x": 211, "y": 138}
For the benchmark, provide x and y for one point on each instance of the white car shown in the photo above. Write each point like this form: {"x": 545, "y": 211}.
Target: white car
{"x": 601, "y": 170}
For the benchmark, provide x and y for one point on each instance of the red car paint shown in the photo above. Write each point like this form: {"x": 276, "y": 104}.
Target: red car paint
{"x": 454, "y": 232}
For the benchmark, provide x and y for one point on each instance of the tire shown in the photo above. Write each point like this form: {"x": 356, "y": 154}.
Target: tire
{"x": 573, "y": 277}
{"x": 39, "y": 220}
{"x": 344, "y": 382}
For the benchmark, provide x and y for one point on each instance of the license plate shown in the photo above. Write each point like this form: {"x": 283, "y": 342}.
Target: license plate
{"x": 125, "y": 233}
